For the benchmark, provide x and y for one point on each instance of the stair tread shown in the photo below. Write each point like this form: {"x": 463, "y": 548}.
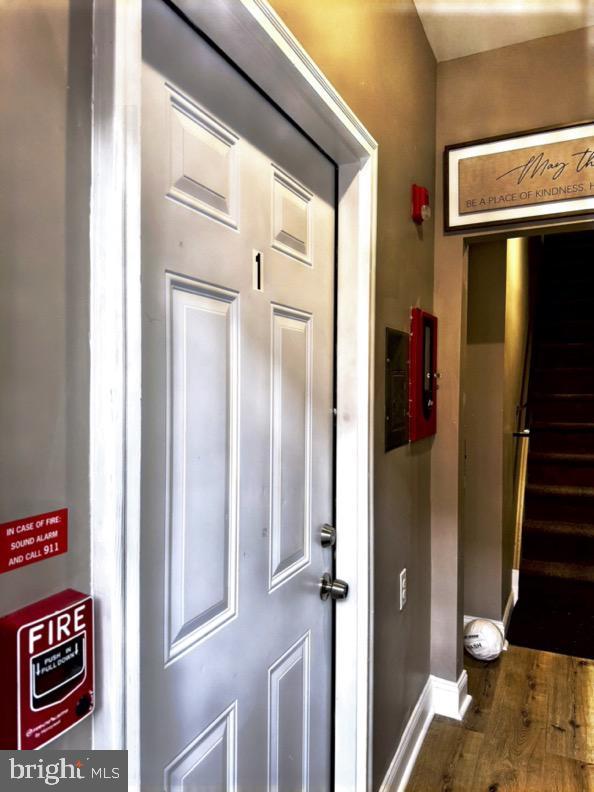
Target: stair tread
{"x": 567, "y": 426}
{"x": 563, "y": 277}
{"x": 561, "y": 321}
{"x": 566, "y": 343}
{"x": 558, "y": 527}
{"x": 560, "y": 490}
{"x": 544, "y": 396}
{"x": 559, "y": 457}
{"x": 574, "y": 339}
{"x": 566, "y": 369}
{"x": 558, "y": 569}
{"x": 587, "y": 298}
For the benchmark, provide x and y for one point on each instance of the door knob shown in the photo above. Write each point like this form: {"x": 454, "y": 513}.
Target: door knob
{"x": 329, "y": 587}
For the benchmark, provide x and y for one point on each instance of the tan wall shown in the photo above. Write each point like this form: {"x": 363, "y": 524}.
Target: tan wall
{"x": 517, "y": 306}
{"x": 377, "y": 56}
{"x": 483, "y": 430}
{"x": 545, "y": 82}
{"x": 45, "y": 85}
{"x": 496, "y": 335}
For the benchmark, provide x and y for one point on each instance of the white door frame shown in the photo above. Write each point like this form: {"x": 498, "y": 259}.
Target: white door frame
{"x": 255, "y": 38}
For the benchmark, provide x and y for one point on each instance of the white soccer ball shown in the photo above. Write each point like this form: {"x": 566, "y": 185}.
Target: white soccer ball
{"x": 483, "y": 639}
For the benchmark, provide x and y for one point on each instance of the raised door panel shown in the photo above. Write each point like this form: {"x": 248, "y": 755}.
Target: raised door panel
{"x": 288, "y": 727}
{"x": 291, "y": 217}
{"x": 203, "y": 160}
{"x": 202, "y": 488}
{"x": 291, "y": 443}
{"x": 209, "y": 763}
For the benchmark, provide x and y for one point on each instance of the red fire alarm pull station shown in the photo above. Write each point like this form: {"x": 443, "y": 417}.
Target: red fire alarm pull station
{"x": 46, "y": 662}
{"x": 420, "y": 209}
{"x": 423, "y": 375}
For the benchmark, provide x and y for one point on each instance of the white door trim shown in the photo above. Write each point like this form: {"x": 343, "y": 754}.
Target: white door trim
{"x": 114, "y": 465}
{"x": 252, "y": 36}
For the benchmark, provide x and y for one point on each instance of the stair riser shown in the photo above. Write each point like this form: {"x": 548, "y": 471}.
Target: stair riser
{"x": 558, "y": 571}
{"x": 571, "y": 269}
{"x": 567, "y": 284}
{"x": 563, "y": 410}
{"x": 562, "y": 442}
{"x": 564, "y": 356}
{"x": 549, "y": 298}
{"x": 551, "y": 547}
{"x": 553, "y": 381}
{"x": 560, "y": 473}
{"x": 567, "y": 265}
{"x": 557, "y": 329}
{"x": 562, "y": 509}
{"x": 566, "y": 309}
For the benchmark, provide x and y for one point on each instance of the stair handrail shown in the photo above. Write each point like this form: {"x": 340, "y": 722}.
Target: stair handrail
{"x": 522, "y": 432}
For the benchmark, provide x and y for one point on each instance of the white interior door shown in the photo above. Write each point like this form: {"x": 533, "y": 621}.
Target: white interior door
{"x": 237, "y": 429}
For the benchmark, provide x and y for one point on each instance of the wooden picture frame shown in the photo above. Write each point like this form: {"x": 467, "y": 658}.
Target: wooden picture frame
{"x": 515, "y": 179}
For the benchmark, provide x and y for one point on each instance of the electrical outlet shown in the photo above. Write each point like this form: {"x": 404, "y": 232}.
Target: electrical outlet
{"x": 403, "y": 588}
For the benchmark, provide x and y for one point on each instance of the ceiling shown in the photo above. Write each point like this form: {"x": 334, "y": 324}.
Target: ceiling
{"x": 462, "y": 27}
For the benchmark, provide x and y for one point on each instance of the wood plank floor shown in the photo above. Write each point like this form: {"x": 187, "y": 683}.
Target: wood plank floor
{"x": 530, "y": 728}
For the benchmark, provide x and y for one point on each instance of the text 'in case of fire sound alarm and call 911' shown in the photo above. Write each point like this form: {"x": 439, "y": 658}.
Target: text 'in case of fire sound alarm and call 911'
{"x": 33, "y": 539}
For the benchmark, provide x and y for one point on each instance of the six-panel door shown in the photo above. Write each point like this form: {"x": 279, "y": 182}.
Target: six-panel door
{"x": 237, "y": 430}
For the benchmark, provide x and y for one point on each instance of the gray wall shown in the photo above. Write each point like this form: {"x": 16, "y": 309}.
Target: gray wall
{"x": 377, "y": 56}
{"x": 45, "y": 89}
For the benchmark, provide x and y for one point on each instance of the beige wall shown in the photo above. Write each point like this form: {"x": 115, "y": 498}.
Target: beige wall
{"x": 483, "y": 430}
{"x": 377, "y": 56}
{"x": 546, "y": 82}
{"x": 520, "y": 260}
{"x": 45, "y": 85}
{"x": 496, "y": 336}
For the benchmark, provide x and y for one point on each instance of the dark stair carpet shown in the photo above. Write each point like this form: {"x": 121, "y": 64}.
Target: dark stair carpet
{"x": 555, "y": 611}
{"x": 554, "y": 616}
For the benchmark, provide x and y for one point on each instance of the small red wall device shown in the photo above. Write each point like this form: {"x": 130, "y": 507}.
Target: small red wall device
{"x": 422, "y": 392}
{"x": 420, "y": 204}
{"x": 46, "y": 662}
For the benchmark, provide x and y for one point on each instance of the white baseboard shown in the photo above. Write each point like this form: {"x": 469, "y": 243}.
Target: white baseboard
{"x": 439, "y": 697}
{"x": 451, "y": 699}
{"x": 516, "y": 585}
{"x": 499, "y": 624}
{"x": 406, "y": 754}
{"x": 509, "y": 607}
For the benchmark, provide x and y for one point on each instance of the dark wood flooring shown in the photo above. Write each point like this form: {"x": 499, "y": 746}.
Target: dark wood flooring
{"x": 530, "y": 728}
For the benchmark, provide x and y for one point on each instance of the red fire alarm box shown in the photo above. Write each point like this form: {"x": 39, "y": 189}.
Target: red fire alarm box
{"x": 423, "y": 375}
{"x": 420, "y": 209}
{"x": 46, "y": 662}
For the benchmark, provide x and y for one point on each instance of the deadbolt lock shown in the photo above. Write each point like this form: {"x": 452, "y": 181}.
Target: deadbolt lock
{"x": 334, "y": 588}
{"x": 328, "y": 535}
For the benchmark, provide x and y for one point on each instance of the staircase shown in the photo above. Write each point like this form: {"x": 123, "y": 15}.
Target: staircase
{"x": 557, "y": 566}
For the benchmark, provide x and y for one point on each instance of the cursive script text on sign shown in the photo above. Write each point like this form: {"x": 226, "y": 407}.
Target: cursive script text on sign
{"x": 560, "y": 171}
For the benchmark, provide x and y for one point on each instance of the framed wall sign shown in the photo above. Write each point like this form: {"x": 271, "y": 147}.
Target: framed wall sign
{"x": 530, "y": 176}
